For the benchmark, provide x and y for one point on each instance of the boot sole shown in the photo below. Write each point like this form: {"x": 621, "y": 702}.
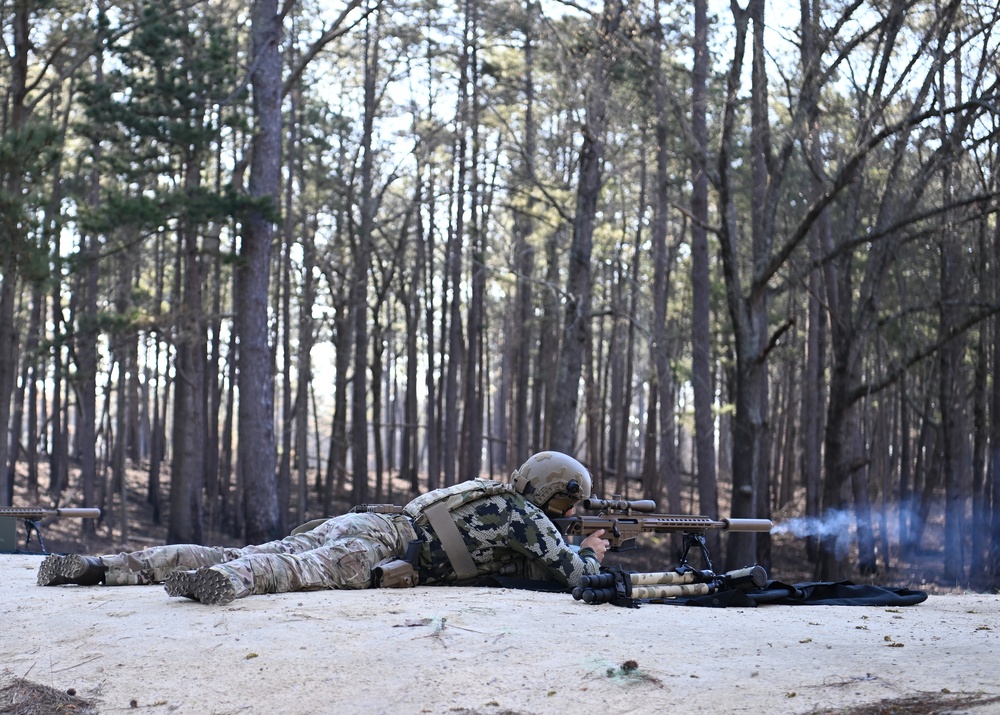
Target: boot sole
{"x": 206, "y": 585}
{"x": 59, "y": 570}
{"x": 179, "y": 583}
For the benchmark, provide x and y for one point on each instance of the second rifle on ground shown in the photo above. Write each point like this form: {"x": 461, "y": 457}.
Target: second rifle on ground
{"x": 31, "y": 516}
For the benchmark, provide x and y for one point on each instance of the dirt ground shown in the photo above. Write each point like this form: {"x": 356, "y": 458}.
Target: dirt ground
{"x": 476, "y": 651}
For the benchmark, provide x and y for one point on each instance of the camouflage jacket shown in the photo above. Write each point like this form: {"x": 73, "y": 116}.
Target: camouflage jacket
{"x": 506, "y": 535}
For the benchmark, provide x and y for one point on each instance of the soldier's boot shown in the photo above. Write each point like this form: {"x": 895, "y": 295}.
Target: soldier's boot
{"x": 179, "y": 583}
{"x": 207, "y": 585}
{"x": 71, "y": 569}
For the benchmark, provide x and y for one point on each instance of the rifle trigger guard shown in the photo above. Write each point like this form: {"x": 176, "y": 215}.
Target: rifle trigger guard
{"x": 614, "y": 528}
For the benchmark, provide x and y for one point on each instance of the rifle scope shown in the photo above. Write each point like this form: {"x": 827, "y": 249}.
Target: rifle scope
{"x": 643, "y": 505}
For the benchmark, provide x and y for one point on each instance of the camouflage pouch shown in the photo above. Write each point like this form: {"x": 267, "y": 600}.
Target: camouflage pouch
{"x": 394, "y": 573}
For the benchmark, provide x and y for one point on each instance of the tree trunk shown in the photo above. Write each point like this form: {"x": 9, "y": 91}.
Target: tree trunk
{"x": 748, "y": 313}
{"x": 701, "y": 335}
{"x": 981, "y": 498}
{"x": 86, "y": 352}
{"x": 952, "y": 360}
{"x": 215, "y": 379}
{"x": 87, "y": 330}
{"x": 57, "y": 457}
{"x": 993, "y": 469}
{"x": 230, "y": 513}
{"x": 576, "y": 325}
{"x": 8, "y": 368}
{"x": 28, "y": 388}
{"x": 456, "y": 346}
{"x": 336, "y": 472}
{"x": 473, "y": 401}
{"x": 953, "y": 429}
{"x": 186, "y": 515}
{"x": 428, "y": 268}
{"x": 812, "y": 378}
{"x": 359, "y": 278}
{"x": 666, "y": 475}
{"x": 544, "y": 386}
{"x": 285, "y": 311}
{"x": 522, "y": 335}
{"x": 256, "y": 404}
{"x": 306, "y": 339}
{"x": 867, "y": 562}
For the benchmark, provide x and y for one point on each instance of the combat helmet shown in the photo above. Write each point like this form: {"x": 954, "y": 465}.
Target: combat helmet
{"x": 553, "y": 481}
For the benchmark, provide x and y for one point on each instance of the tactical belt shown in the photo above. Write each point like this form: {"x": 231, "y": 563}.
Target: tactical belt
{"x": 451, "y": 540}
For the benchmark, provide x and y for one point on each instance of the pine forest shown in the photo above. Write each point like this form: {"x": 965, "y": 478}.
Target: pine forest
{"x": 263, "y": 261}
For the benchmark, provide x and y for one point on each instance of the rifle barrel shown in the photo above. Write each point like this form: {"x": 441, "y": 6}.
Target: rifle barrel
{"x": 748, "y": 524}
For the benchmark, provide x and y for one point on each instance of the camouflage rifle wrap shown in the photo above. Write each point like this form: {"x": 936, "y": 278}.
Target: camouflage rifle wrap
{"x": 628, "y": 589}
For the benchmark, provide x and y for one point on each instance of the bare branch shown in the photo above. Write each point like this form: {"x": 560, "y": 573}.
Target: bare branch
{"x": 337, "y": 29}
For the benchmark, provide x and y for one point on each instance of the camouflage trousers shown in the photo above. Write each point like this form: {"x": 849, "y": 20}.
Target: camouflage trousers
{"x": 340, "y": 553}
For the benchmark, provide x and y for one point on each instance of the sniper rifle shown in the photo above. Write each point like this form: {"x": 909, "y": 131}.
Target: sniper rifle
{"x": 624, "y": 520}
{"x": 31, "y": 516}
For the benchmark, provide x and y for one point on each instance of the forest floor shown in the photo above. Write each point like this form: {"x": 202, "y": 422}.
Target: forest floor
{"x": 477, "y": 651}
{"x": 481, "y": 651}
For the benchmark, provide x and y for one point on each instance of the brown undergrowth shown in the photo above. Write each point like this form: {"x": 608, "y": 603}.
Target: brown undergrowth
{"x": 19, "y": 696}
{"x": 922, "y": 704}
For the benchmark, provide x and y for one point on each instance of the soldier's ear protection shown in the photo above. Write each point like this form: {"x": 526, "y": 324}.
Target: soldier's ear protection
{"x": 562, "y": 502}
{"x": 559, "y": 503}
{"x": 525, "y": 487}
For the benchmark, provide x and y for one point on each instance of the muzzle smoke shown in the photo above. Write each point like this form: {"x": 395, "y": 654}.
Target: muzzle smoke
{"x": 837, "y": 525}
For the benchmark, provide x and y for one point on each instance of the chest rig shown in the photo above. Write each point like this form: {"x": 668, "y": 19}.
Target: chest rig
{"x": 435, "y": 508}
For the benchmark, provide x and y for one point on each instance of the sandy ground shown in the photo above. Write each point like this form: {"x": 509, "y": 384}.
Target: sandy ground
{"x": 484, "y": 652}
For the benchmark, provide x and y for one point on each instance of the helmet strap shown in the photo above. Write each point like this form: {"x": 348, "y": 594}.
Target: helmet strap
{"x": 521, "y": 484}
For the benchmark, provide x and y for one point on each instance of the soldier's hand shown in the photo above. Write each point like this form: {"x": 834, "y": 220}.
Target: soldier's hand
{"x": 595, "y": 542}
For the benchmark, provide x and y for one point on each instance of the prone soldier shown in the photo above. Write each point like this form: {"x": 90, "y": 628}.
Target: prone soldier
{"x": 449, "y": 536}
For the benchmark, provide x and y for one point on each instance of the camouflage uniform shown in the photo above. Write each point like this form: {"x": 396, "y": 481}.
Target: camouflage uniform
{"x": 504, "y": 533}
{"x": 507, "y": 536}
{"x": 339, "y": 553}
